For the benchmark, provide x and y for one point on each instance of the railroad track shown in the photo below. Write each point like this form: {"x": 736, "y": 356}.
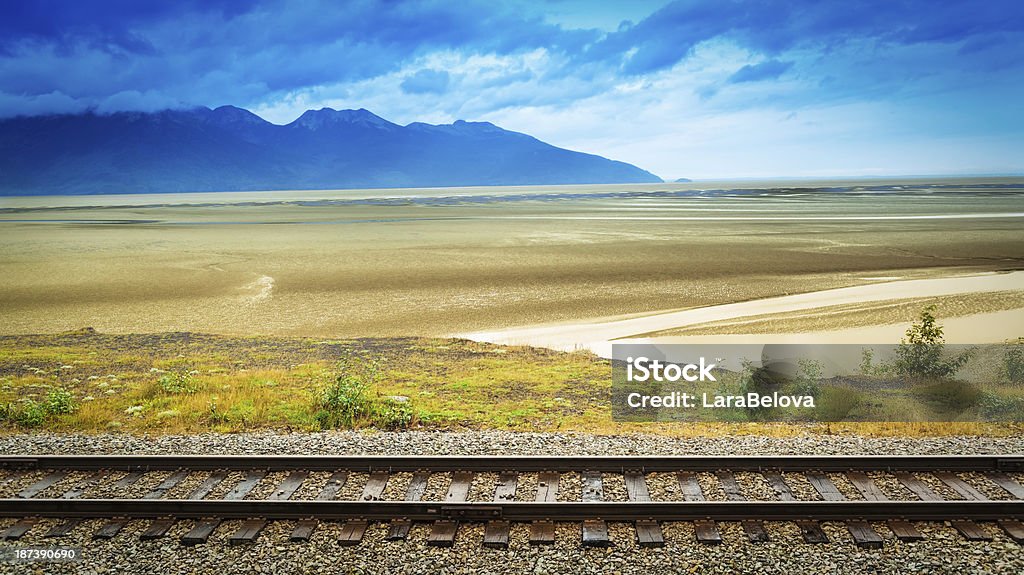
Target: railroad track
{"x": 876, "y": 497}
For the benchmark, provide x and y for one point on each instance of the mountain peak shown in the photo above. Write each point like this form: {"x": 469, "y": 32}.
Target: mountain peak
{"x": 228, "y": 148}
{"x": 461, "y": 127}
{"x": 326, "y": 117}
{"x": 236, "y": 115}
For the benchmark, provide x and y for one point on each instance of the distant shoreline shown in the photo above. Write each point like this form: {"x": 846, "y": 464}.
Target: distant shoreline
{"x": 989, "y": 184}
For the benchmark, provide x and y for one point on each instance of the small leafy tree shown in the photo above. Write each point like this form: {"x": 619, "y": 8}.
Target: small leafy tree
{"x": 920, "y": 353}
{"x": 869, "y": 367}
{"x": 867, "y": 358}
{"x": 1013, "y": 363}
{"x": 808, "y": 378}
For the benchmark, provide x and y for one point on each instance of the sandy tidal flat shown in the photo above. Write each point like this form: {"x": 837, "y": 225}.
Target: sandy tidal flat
{"x": 441, "y": 262}
{"x": 598, "y": 336}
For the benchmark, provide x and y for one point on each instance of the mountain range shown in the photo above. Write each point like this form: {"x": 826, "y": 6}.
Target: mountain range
{"x": 231, "y": 149}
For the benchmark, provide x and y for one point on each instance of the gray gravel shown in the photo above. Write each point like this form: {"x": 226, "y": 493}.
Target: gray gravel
{"x": 501, "y": 442}
{"x": 943, "y": 552}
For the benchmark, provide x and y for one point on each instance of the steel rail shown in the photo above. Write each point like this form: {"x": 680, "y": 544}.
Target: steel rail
{"x": 523, "y": 464}
{"x": 516, "y": 511}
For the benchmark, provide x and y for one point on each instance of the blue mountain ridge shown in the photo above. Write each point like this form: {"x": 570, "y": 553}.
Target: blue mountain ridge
{"x": 232, "y": 149}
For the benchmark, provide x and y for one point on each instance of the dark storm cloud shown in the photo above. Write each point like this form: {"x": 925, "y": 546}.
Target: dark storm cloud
{"x": 58, "y": 55}
{"x": 225, "y": 52}
{"x": 771, "y": 27}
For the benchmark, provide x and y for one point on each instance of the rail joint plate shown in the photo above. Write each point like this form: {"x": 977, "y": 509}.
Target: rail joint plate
{"x": 19, "y": 463}
{"x": 1010, "y": 464}
{"x": 474, "y": 513}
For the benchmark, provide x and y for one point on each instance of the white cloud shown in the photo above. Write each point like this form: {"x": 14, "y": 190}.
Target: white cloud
{"x": 686, "y": 121}
{"x": 29, "y": 105}
{"x": 135, "y": 101}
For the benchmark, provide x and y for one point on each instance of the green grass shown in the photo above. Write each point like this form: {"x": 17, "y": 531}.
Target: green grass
{"x": 189, "y": 383}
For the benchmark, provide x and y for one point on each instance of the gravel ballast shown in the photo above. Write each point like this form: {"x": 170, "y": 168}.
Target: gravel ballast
{"x": 501, "y": 443}
{"x": 944, "y": 550}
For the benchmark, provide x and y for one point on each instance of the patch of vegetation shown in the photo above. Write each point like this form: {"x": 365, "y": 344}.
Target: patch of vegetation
{"x": 760, "y": 380}
{"x": 995, "y": 407}
{"x": 24, "y": 413}
{"x": 950, "y": 394}
{"x": 345, "y": 399}
{"x": 350, "y": 399}
{"x": 808, "y": 378}
{"x": 393, "y": 413}
{"x": 836, "y": 403}
{"x": 178, "y": 382}
{"x": 59, "y": 401}
{"x": 28, "y": 412}
{"x": 920, "y": 353}
{"x": 214, "y": 415}
{"x": 1013, "y": 364}
{"x": 246, "y": 383}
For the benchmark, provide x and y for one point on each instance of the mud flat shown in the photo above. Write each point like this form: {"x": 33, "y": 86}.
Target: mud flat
{"x": 597, "y": 336}
{"x": 389, "y": 263}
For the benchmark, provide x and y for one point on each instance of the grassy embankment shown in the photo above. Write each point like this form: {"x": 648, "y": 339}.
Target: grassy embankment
{"x": 187, "y": 383}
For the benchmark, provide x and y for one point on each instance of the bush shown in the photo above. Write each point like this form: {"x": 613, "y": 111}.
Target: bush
{"x": 868, "y": 367}
{"x": 177, "y": 382}
{"x": 393, "y": 414}
{"x": 761, "y": 380}
{"x": 349, "y": 400}
{"x": 1013, "y": 363}
{"x": 920, "y": 353}
{"x": 28, "y": 413}
{"x": 836, "y": 403}
{"x": 59, "y": 402}
{"x": 808, "y": 379}
{"x": 996, "y": 408}
{"x": 867, "y": 358}
{"x": 31, "y": 413}
{"x": 343, "y": 402}
{"x": 346, "y": 399}
{"x": 951, "y": 394}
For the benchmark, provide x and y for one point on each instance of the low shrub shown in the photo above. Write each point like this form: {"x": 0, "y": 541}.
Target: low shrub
{"x": 1013, "y": 364}
{"x": 836, "y": 403}
{"x": 178, "y": 382}
{"x": 392, "y": 414}
{"x": 761, "y": 380}
{"x": 349, "y": 400}
{"x": 951, "y": 394}
{"x": 27, "y": 413}
{"x": 920, "y": 354}
{"x": 59, "y": 401}
{"x": 343, "y": 402}
{"x": 995, "y": 408}
{"x": 808, "y": 378}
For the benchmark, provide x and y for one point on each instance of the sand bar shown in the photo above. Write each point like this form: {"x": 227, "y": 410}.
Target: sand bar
{"x": 597, "y": 335}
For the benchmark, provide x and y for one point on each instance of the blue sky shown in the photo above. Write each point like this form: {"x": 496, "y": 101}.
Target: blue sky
{"x": 700, "y": 89}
